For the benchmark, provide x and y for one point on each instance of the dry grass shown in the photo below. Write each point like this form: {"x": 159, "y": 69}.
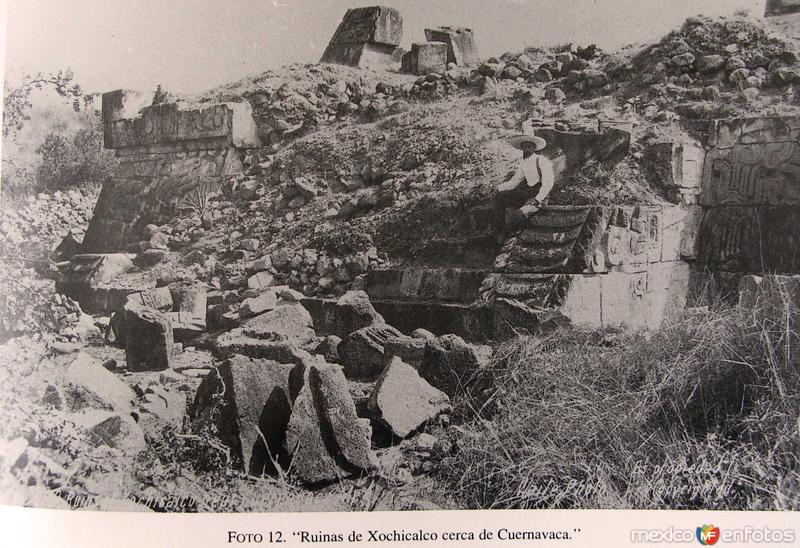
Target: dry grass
{"x": 703, "y": 414}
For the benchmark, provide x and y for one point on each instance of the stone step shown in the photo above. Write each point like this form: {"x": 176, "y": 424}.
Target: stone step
{"x": 457, "y": 285}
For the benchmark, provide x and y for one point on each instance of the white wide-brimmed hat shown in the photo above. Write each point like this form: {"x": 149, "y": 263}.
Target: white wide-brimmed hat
{"x": 517, "y": 141}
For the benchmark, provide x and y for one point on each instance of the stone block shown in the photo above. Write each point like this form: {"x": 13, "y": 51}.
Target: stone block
{"x": 402, "y": 401}
{"x": 582, "y": 304}
{"x": 409, "y": 349}
{"x": 290, "y": 322}
{"x": 364, "y": 55}
{"x": 461, "y": 48}
{"x": 373, "y": 24}
{"x": 88, "y": 375}
{"x": 681, "y": 227}
{"x": 257, "y": 305}
{"x": 158, "y": 298}
{"x": 426, "y": 58}
{"x": 781, "y": 7}
{"x": 324, "y": 437}
{"x": 350, "y": 312}
{"x": 149, "y": 342}
{"x": 249, "y": 402}
{"x": 362, "y": 352}
{"x": 450, "y": 363}
{"x": 111, "y": 429}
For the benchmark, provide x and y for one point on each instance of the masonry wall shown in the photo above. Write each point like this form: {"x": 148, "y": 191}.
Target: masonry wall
{"x": 169, "y": 158}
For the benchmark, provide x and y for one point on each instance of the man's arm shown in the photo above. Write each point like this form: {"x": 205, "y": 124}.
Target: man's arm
{"x": 517, "y": 179}
{"x": 548, "y": 178}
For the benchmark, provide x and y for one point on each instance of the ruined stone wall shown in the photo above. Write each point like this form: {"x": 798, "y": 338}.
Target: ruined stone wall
{"x": 751, "y": 194}
{"x": 169, "y": 159}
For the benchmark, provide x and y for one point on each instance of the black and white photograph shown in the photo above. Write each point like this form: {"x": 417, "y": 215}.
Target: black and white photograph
{"x": 277, "y": 256}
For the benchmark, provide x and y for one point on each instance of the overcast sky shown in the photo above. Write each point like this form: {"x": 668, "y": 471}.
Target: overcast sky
{"x": 192, "y": 45}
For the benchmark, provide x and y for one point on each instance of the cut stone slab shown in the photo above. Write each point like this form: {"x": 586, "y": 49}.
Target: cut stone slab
{"x": 249, "y": 402}
{"x": 149, "y": 343}
{"x": 362, "y": 352}
{"x": 409, "y": 349}
{"x": 87, "y": 374}
{"x": 325, "y": 438}
{"x": 450, "y": 363}
{"x": 291, "y": 323}
{"x": 234, "y": 342}
{"x": 403, "y": 401}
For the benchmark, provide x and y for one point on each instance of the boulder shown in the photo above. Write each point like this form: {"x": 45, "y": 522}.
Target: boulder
{"x": 707, "y": 64}
{"x": 325, "y": 438}
{"x": 402, "y": 401}
{"x": 111, "y": 429}
{"x": 87, "y": 377}
{"x": 149, "y": 343}
{"x": 450, "y": 363}
{"x": 328, "y": 348}
{"x": 260, "y": 280}
{"x": 258, "y": 305}
{"x": 248, "y": 402}
{"x": 362, "y": 352}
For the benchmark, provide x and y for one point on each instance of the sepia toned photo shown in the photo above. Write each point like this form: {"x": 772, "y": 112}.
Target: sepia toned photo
{"x": 332, "y": 256}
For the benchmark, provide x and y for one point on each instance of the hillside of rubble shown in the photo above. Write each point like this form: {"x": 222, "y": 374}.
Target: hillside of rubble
{"x": 363, "y": 169}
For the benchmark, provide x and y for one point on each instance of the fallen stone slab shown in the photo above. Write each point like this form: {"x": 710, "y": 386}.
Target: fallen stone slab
{"x": 96, "y": 384}
{"x": 233, "y": 342}
{"x": 325, "y": 438}
{"x": 249, "y": 402}
{"x": 291, "y": 323}
{"x": 450, "y": 363}
{"x": 402, "y": 400}
{"x": 362, "y": 352}
{"x": 185, "y": 326}
{"x": 149, "y": 343}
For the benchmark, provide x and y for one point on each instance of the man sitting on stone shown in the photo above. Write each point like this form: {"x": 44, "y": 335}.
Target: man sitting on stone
{"x": 534, "y": 175}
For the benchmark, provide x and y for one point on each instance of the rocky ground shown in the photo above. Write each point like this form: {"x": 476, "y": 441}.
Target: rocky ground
{"x": 356, "y": 167}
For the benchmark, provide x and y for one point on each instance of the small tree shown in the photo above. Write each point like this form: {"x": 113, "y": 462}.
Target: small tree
{"x": 17, "y": 100}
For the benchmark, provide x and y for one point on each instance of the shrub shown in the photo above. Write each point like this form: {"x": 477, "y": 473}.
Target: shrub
{"x": 702, "y": 414}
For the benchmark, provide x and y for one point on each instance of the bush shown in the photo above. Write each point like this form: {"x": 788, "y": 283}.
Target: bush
{"x": 67, "y": 160}
{"x": 701, "y": 415}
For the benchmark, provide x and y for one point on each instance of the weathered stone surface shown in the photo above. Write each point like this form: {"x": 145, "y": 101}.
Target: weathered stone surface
{"x": 362, "y": 352}
{"x": 290, "y": 322}
{"x": 450, "y": 363}
{"x": 374, "y": 24}
{"x": 426, "y": 58}
{"x": 87, "y": 271}
{"x": 350, "y": 312}
{"x": 111, "y": 429}
{"x": 249, "y": 402}
{"x": 364, "y": 55}
{"x": 409, "y": 349}
{"x": 403, "y": 401}
{"x": 324, "y": 436}
{"x": 257, "y": 305}
{"x": 87, "y": 374}
{"x": 329, "y": 348}
{"x": 167, "y": 123}
{"x": 461, "y": 48}
{"x": 149, "y": 342}
{"x": 166, "y": 406}
{"x": 260, "y": 280}
{"x": 157, "y": 298}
